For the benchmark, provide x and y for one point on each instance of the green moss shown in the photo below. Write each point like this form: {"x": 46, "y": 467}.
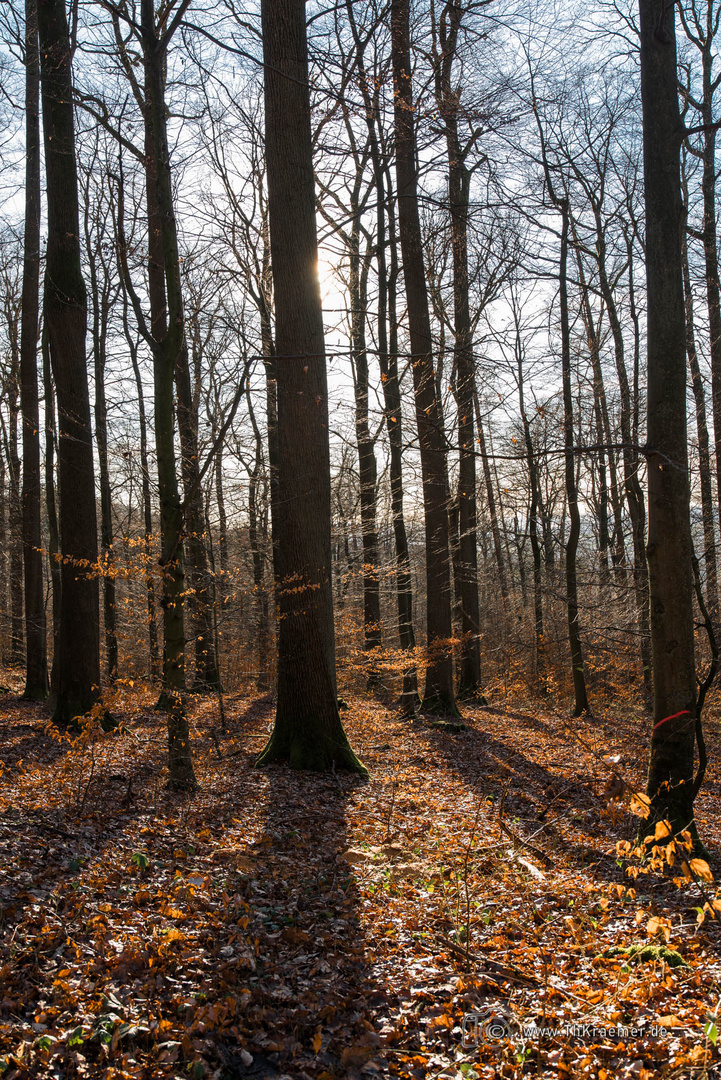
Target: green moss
{"x": 648, "y": 953}
{"x": 447, "y": 725}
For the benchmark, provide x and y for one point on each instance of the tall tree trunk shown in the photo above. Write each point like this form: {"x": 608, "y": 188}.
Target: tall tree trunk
{"x": 4, "y": 582}
{"x": 634, "y": 494}
{"x": 168, "y": 334}
{"x": 532, "y": 517}
{"x": 78, "y": 681}
{"x": 257, "y": 550}
{"x": 51, "y": 507}
{"x": 367, "y": 470}
{"x": 155, "y": 666}
{"x": 574, "y": 635}
{"x": 222, "y": 517}
{"x": 449, "y": 100}
{"x": 17, "y": 637}
{"x": 100, "y": 306}
{"x": 388, "y": 363}
{"x": 710, "y": 239}
{"x": 491, "y": 501}
{"x": 704, "y": 451}
{"x": 429, "y": 413}
{"x": 670, "y": 777}
{"x": 307, "y": 728}
{"x": 599, "y": 401}
{"x": 207, "y": 677}
{"x": 571, "y": 487}
{"x": 36, "y": 664}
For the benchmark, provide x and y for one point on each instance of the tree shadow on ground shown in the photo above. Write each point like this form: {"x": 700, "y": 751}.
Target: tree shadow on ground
{"x": 546, "y": 804}
{"x": 311, "y": 987}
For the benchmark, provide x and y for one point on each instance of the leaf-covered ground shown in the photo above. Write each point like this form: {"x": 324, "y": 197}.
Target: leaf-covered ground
{"x": 283, "y": 924}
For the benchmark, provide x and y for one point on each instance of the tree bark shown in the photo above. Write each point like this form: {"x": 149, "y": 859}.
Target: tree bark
{"x": 51, "y": 507}
{"x": 155, "y": 666}
{"x": 17, "y": 637}
{"x": 36, "y": 657}
{"x": 388, "y": 363}
{"x": 704, "y": 450}
{"x": 438, "y": 693}
{"x": 449, "y": 100}
{"x": 100, "y": 289}
{"x": 168, "y": 334}
{"x": 634, "y": 494}
{"x": 367, "y": 469}
{"x": 78, "y": 682}
{"x": 670, "y": 776}
{"x": 307, "y": 730}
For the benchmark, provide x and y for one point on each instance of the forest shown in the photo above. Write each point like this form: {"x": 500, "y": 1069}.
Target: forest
{"x": 360, "y": 457}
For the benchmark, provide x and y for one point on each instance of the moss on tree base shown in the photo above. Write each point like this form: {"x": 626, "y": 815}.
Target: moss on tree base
{"x": 440, "y": 705}
{"x": 318, "y": 755}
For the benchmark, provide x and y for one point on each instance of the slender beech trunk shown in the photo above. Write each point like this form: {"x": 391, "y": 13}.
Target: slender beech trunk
{"x": 670, "y": 776}
{"x": 429, "y": 413}
{"x": 17, "y": 637}
{"x": 222, "y": 517}
{"x": 36, "y": 669}
{"x": 491, "y": 501}
{"x": 571, "y": 487}
{"x": 78, "y": 680}
{"x": 388, "y": 363}
{"x": 631, "y": 463}
{"x": 599, "y": 405}
{"x": 155, "y": 665}
{"x": 168, "y": 334}
{"x": 449, "y": 101}
{"x": 206, "y": 672}
{"x": 704, "y": 451}
{"x": 257, "y": 550}
{"x": 51, "y": 507}
{"x": 705, "y": 41}
{"x": 367, "y": 469}
{"x": 3, "y": 550}
{"x": 100, "y": 294}
{"x": 307, "y": 728}
{"x": 532, "y": 516}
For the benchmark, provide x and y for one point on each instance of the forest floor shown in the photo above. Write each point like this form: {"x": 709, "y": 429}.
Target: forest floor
{"x": 278, "y": 924}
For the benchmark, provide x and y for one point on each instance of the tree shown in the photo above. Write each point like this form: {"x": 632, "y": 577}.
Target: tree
{"x": 78, "y": 668}
{"x": 670, "y": 774}
{"x": 307, "y": 730}
{"x": 429, "y": 412}
{"x": 36, "y": 670}
{"x": 448, "y": 97}
{"x": 388, "y": 363}
{"x": 561, "y": 202}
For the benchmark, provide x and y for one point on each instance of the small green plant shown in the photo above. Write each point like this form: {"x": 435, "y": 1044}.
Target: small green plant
{"x": 76, "y": 1037}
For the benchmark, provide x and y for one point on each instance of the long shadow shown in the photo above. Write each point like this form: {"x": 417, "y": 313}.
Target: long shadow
{"x": 531, "y": 792}
{"x": 22, "y": 736}
{"x": 311, "y": 988}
